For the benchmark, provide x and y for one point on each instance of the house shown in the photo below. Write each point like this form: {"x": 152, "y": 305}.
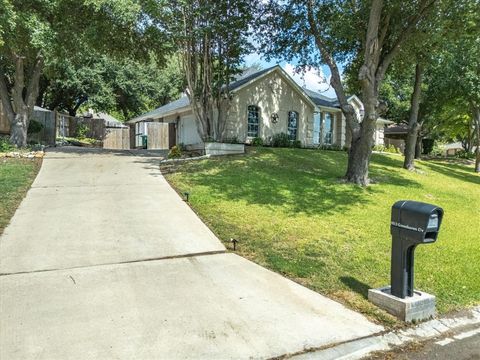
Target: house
{"x": 265, "y": 103}
{"x": 396, "y": 135}
{"x": 108, "y": 120}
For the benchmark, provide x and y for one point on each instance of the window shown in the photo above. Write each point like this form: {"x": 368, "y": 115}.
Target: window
{"x": 327, "y": 128}
{"x": 253, "y": 121}
{"x": 292, "y": 125}
{"x": 316, "y": 128}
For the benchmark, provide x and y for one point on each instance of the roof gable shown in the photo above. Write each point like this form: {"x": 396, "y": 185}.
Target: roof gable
{"x": 249, "y": 80}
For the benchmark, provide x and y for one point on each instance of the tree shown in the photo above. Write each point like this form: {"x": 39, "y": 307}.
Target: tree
{"x": 126, "y": 86}
{"x": 454, "y": 85}
{"x": 34, "y": 33}
{"x": 370, "y": 34}
{"x": 213, "y": 38}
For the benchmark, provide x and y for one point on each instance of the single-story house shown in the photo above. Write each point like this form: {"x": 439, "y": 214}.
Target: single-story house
{"x": 108, "y": 120}
{"x": 265, "y": 102}
{"x": 396, "y": 135}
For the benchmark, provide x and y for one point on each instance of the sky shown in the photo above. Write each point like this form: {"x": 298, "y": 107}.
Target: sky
{"x": 313, "y": 79}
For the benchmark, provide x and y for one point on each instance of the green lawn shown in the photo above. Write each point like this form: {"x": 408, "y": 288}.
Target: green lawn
{"x": 292, "y": 214}
{"x": 16, "y": 176}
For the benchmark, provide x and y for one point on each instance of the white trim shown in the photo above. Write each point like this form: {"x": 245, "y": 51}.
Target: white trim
{"x": 320, "y": 108}
{"x": 384, "y": 121}
{"x": 172, "y": 112}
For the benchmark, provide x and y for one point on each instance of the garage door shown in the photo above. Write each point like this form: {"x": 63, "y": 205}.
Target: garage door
{"x": 188, "y": 131}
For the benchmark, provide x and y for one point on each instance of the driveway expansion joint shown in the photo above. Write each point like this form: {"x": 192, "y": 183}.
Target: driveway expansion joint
{"x": 208, "y": 253}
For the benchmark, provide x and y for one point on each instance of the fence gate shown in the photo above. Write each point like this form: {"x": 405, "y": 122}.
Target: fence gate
{"x": 157, "y": 136}
{"x": 117, "y": 138}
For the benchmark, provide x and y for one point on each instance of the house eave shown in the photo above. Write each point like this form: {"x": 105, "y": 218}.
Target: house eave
{"x": 328, "y": 108}
{"x": 159, "y": 116}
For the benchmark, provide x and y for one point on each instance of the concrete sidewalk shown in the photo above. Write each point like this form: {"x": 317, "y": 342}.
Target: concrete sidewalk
{"x": 88, "y": 273}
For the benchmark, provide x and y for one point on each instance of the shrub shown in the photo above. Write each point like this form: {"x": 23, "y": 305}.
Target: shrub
{"x": 5, "y": 145}
{"x": 82, "y": 131}
{"x": 330, "y": 147}
{"x": 380, "y": 148}
{"x": 280, "y": 140}
{"x": 437, "y": 149}
{"x": 34, "y": 127}
{"x": 427, "y": 145}
{"x": 182, "y": 147}
{"x": 296, "y": 144}
{"x": 391, "y": 149}
{"x": 462, "y": 154}
{"x": 232, "y": 140}
{"x": 175, "y": 152}
{"x": 257, "y": 141}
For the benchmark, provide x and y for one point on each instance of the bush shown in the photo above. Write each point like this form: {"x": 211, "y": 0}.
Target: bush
{"x": 296, "y": 144}
{"x": 257, "y": 141}
{"x": 331, "y": 147}
{"x": 175, "y": 152}
{"x": 437, "y": 149}
{"x": 182, "y": 147}
{"x": 232, "y": 140}
{"x": 462, "y": 154}
{"x": 427, "y": 145}
{"x": 280, "y": 140}
{"x": 5, "y": 145}
{"x": 82, "y": 131}
{"x": 391, "y": 149}
{"x": 388, "y": 149}
{"x": 34, "y": 127}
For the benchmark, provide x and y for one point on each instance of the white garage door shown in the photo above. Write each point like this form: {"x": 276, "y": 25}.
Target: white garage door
{"x": 188, "y": 131}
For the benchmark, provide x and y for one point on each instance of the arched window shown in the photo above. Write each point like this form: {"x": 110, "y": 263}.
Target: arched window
{"x": 253, "y": 121}
{"x": 292, "y": 125}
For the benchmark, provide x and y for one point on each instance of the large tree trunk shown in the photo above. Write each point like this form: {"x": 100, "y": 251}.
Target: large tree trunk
{"x": 361, "y": 147}
{"x": 419, "y": 147}
{"x": 19, "y": 129}
{"x": 376, "y": 61}
{"x": 413, "y": 125}
{"x": 23, "y": 101}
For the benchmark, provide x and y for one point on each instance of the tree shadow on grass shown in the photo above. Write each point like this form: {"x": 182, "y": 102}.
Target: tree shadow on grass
{"x": 456, "y": 171}
{"x": 356, "y": 285}
{"x": 288, "y": 180}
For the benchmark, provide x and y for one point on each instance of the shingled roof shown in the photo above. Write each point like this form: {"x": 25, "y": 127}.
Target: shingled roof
{"x": 244, "y": 78}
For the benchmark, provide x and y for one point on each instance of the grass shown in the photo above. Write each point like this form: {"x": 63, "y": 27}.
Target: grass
{"x": 292, "y": 214}
{"x": 16, "y": 176}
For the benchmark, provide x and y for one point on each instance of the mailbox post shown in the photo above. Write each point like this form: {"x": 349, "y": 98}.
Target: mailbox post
{"x": 412, "y": 223}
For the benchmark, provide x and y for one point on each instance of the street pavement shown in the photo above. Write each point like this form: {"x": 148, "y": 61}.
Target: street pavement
{"x": 463, "y": 344}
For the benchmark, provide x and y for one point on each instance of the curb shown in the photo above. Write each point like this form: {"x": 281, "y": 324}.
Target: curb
{"x": 358, "y": 349}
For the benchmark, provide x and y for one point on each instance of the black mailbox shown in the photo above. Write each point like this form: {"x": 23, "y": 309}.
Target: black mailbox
{"x": 412, "y": 223}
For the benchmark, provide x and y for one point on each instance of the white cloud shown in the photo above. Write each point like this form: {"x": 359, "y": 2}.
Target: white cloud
{"x": 313, "y": 79}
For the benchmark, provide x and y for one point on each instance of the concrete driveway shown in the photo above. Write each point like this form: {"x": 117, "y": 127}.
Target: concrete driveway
{"x": 103, "y": 260}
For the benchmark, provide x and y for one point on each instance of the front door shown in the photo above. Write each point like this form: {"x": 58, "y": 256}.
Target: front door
{"x": 172, "y": 135}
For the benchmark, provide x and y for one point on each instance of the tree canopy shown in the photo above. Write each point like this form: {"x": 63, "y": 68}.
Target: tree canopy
{"x": 35, "y": 35}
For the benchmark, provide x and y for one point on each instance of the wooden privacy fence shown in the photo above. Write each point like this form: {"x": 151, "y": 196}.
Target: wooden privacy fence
{"x": 57, "y": 125}
{"x": 47, "y": 134}
{"x": 91, "y": 128}
{"x": 117, "y": 138}
{"x": 157, "y": 136}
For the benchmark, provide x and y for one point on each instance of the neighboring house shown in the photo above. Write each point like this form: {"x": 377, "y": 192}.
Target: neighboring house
{"x": 451, "y": 149}
{"x": 265, "y": 103}
{"x": 396, "y": 135}
{"x": 108, "y": 120}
